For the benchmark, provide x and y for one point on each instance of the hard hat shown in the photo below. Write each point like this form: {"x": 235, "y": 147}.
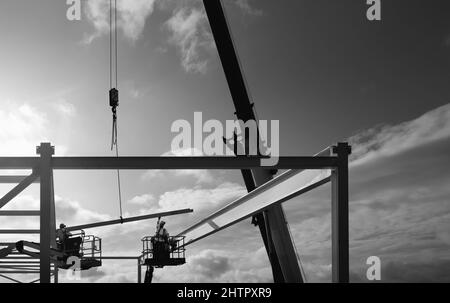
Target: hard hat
{"x": 62, "y": 225}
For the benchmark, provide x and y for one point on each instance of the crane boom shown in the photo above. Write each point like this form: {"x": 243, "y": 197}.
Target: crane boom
{"x": 272, "y": 222}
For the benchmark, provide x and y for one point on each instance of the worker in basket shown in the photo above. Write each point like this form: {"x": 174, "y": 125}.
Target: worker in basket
{"x": 161, "y": 240}
{"x": 62, "y": 234}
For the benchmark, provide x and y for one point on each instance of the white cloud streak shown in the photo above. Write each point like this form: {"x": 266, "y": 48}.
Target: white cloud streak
{"x": 386, "y": 140}
{"x": 131, "y": 17}
{"x": 189, "y": 32}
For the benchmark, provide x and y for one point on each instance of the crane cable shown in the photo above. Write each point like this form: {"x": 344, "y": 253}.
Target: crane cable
{"x": 114, "y": 93}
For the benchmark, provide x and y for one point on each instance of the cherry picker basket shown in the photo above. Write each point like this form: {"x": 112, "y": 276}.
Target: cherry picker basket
{"x": 159, "y": 253}
{"x": 87, "y": 248}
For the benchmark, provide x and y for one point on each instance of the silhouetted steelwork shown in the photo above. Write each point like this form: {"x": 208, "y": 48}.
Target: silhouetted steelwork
{"x": 44, "y": 165}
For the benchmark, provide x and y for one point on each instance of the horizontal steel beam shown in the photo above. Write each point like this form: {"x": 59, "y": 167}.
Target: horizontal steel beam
{"x": 100, "y": 163}
{"x": 118, "y": 258}
{"x": 14, "y": 179}
{"x": 12, "y": 258}
{"x": 189, "y": 162}
{"x": 20, "y": 266}
{"x": 131, "y": 219}
{"x": 7, "y": 213}
{"x": 18, "y": 262}
{"x": 19, "y": 271}
{"x": 19, "y": 231}
{"x": 19, "y": 162}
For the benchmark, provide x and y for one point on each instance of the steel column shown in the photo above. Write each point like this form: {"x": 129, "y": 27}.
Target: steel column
{"x": 339, "y": 216}
{"x": 45, "y": 150}
{"x": 139, "y": 277}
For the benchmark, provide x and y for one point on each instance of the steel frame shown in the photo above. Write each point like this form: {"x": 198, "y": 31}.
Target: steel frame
{"x": 44, "y": 165}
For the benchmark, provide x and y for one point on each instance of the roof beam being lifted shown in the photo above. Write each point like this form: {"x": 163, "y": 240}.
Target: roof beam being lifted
{"x": 131, "y": 219}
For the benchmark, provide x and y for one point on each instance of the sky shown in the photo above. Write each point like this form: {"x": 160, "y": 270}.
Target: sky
{"x": 319, "y": 67}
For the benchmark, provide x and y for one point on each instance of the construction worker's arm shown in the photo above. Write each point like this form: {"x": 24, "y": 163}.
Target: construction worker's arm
{"x": 157, "y": 224}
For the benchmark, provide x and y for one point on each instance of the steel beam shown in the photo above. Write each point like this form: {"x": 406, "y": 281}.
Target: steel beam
{"x": 131, "y": 219}
{"x": 118, "y": 258}
{"x": 18, "y": 258}
{"x": 18, "y": 262}
{"x": 167, "y": 163}
{"x": 45, "y": 150}
{"x": 19, "y": 271}
{"x": 255, "y": 177}
{"x": 14, "y": 179}
{"x": 19, "y": 162}
{"x": 18, "y": 189}
{"x": 11, "y": 279}
{"x": 11, "y": 213}
{"x": 279, "y": 190}
{"x": 20, "y": 266}
{"x": 19, "y": 231}
{"x": 339, "y": 216}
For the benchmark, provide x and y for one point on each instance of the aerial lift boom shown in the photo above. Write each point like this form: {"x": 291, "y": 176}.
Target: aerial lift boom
{"x": 272, "y": 222}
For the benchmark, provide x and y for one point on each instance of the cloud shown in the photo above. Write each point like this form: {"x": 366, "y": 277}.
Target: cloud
{"x": 131, "y": 17}
{"x": 68, "y": 211}
{"x": 189, "y": 32}
{"x": 388, "y": 140}
{"x": 399, "y": 206}
{"x": 145, "y": 199}
{"x": 399, "y": 211}
{"x": 416, "y": 272}
{"x": 200, "y": 198}
{"x": 199, "y": 175}
{"x": 246, "y": 8}
{"x": 210, "y": 263}
{"x": 220, "y": 265}
{"x": 187, "y": 26}
{"x": 22, "y": 128}
{"x": 65, "y": 108}
{"x": 73, "y": 213}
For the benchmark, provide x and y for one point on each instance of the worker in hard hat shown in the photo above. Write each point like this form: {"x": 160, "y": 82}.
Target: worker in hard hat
{"x": 161, "y": 244}
{"x": 62, "y": 234}
{"x": 161, "y": 231}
